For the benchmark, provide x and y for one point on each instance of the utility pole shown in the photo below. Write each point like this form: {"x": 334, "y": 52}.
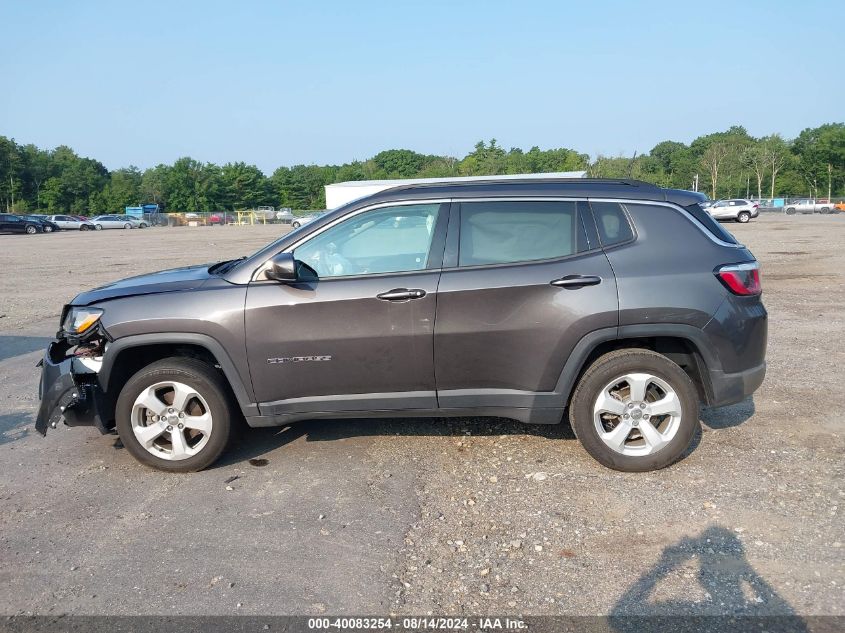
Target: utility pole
{"x": 695, "y": 183}
{"x": 829, "y": 180}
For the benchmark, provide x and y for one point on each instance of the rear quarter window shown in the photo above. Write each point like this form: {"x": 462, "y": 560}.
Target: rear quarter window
{"x": 709, "y": 224}
{"x": 612, "y": 223}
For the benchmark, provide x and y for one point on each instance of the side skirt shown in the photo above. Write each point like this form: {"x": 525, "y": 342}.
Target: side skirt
{"x": 520, "y": 414}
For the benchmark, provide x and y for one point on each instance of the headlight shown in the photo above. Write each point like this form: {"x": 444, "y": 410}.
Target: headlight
{"x": 78, "y": 320}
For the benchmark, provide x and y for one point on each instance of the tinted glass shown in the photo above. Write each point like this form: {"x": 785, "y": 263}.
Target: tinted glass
{"x": 612, "y": 223}
{"x": 508, "y": 232}
{"x": 710, "y": 224}
{"x": 386, "y": 240}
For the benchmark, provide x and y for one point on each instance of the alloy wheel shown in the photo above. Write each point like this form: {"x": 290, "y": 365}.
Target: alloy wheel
{"x": 171, "y": 420}
{"x": 637, "y": 414}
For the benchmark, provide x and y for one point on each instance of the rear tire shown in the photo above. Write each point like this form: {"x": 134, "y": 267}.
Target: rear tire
{"x": 296, "y": 225}
{"x": 824, "y": 210}
{"x": 127, "y": 226}
{"x": 84, "y": 227}
{"x": 743, "y": 217}
{"x": 98, "y": 227}
{"x": 173, "y": 442}
{"x": 790, "y": 211}
{"x": 610, "y": 383}
{"x": 31, "y": 230}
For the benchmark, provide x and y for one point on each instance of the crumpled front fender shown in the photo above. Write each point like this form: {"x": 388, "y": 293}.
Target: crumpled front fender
{"x": 57, "y": 390}
{"x": 66, "y": 394}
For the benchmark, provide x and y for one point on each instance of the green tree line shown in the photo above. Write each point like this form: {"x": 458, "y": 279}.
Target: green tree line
{"x": 723, "y": 164}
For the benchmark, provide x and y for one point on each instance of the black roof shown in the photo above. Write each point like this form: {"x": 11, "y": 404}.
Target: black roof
{"x": 538, "y": 187}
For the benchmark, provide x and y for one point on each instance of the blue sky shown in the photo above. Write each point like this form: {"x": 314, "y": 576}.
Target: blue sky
{"x": 282, "y": 83}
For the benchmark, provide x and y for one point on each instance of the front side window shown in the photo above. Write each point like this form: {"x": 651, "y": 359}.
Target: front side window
{"x": 386, "y": 240}
{"x": 510, "y": 232}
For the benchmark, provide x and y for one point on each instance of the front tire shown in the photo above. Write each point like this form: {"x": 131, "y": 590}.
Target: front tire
{"x": 790, "y": 211}
{"x": 743, "y": 217}
{"x": 634, "y": 410}
{"x": 175, "y": 415}
{"x": 296, "y": 225}
{"x": 127, "y": 226}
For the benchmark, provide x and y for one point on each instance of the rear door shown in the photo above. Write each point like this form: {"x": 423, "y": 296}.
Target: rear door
{"x": 521, "y": 285}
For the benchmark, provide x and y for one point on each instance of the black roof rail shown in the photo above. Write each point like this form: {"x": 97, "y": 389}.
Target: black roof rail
{"x": 486, "y": 180}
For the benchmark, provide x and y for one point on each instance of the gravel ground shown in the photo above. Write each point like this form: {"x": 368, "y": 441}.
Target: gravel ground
{"x": 468, "y": 516}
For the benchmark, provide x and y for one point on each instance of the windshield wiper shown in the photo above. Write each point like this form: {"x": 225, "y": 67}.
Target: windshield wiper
{"x": 222, "y": 267}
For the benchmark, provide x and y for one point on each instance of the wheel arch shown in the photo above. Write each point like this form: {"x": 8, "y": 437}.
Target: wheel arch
{"x": 683, "y": 344}
{"x": 127, "y": 355}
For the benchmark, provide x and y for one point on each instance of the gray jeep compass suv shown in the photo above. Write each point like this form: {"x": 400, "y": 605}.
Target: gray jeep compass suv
{"x": 615, "y": 303}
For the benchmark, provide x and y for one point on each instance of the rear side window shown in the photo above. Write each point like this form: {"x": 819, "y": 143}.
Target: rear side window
{"x": 710, "y": 224}
{"x": 510, "y": 232}
{"x": 612, "y": 223}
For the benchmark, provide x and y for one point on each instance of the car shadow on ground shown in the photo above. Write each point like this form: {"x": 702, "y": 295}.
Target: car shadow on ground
{"x": 727, "y": 417}
{"x": 253, "y": 443}
{"x": 725, "y": 593}
{"x": 12, "y": 346}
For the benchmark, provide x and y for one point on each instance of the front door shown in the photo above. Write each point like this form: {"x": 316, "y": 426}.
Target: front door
{"x": 525, "y": 287}
{"x": 360, "y": 337}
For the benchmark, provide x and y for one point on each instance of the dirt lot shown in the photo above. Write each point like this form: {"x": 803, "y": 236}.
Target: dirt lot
{"x": 451, "y": 517}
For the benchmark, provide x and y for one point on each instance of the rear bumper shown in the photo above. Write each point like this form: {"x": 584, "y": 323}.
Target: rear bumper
{"x": 732, "y": 388}
{"x": 65, "y": 393}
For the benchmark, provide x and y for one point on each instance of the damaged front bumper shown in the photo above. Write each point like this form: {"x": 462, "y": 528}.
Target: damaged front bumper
{"x": 69, "y": 390}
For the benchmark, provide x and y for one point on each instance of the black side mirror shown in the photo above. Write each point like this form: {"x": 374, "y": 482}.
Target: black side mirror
{"x": 282, "y": 268}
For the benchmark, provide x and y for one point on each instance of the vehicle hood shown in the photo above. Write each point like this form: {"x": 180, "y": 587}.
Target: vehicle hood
{"x": 172, "y": 280}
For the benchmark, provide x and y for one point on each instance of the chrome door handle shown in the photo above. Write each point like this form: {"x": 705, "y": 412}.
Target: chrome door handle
{"x": 576, "y": 281}
{"x": 401, "y": 294}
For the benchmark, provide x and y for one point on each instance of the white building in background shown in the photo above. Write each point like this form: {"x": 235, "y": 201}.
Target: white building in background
{"x": 343, "y": 192}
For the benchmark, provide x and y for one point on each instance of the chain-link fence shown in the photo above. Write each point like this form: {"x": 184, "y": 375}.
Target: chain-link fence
{"x": 221, "y": 218}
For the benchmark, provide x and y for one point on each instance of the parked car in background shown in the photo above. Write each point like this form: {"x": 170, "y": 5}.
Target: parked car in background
{"x": 117, "y": 222}
{"x": 839, "y": 206}
{"x": 70, "y": 222}
{"x": 737, "y": 209}
{"x": 10, "y": 223}
{"x": 84, "y": 218}
{"x": 46, "y": 225}
{"x": 221, "y": 218}
{"x": 808, "y": 205}
{"x": 302, "y": 220}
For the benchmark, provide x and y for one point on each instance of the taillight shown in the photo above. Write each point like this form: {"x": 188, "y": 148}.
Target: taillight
{"x": 741, "y": 279}
{"x": 756, "y": 206}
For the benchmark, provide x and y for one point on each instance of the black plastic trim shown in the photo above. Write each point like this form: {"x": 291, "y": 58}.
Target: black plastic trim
{"x": 243, "y": 393}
